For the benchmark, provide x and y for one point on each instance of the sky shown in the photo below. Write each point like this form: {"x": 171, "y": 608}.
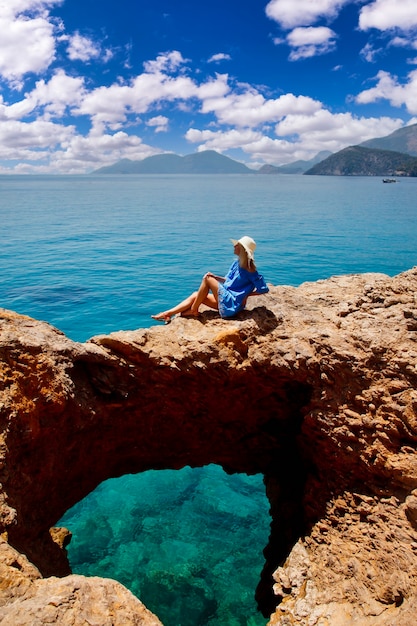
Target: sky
{"x": 85, "y": 83}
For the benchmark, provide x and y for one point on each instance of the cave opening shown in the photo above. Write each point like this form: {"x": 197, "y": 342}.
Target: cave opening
{"x": 172, "y": 422}
{"x": 189, "y": 543}
{"x": 199, "y": 545}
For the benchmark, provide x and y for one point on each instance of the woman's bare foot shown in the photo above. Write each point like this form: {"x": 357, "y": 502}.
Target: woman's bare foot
{"x": 190, "y": 313}
{"x": 162, "y": 317}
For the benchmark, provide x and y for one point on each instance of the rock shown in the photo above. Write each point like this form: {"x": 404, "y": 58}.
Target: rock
{"x": 69, "y": 601}
{"x": 315, "y": 387}
{"x": 61, "y": 536}
{"x": 16, "y": 574}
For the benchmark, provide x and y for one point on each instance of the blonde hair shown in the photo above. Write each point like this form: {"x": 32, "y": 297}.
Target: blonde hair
{"x": 244, "y": 260}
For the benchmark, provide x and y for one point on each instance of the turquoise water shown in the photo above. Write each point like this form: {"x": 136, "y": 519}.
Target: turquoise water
{"x": 96, "y": 254}
{"x": 188, "y": 543}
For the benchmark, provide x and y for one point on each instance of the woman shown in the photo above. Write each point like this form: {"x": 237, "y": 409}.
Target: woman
{"x": 227, "y": 294}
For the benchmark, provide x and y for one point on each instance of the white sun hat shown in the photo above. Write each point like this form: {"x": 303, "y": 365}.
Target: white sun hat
{"x": 247, "y": 243}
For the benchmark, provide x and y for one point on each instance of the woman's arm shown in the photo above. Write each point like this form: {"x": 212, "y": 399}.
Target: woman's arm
{"x": 260, "y": 286}
{"x": 254, "y": 293}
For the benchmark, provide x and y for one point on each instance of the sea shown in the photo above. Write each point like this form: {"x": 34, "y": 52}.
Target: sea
{"x": 94, "y": 254}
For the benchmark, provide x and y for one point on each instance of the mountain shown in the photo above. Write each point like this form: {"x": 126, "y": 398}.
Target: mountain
{"x": 207, "y": 162}
{"x": 401, "y": 140}
{"x": 383, "y": 156}
{"x": 296, "y": 167}
{"x": 361, "y": 161}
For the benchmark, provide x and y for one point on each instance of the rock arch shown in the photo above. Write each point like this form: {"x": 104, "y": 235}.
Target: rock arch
{"x": 315, "y": 388}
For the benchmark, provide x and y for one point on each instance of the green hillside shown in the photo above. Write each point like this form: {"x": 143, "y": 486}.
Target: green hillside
{"x": 401, "y": 140}
{"x": 361, "y": 161}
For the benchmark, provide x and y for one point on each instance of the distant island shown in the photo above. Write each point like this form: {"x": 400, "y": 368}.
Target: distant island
{"x": 360, "y": 161}
{"x": 206, "y": 162}
{"x": 394, "y": 155}
{"x": 401, "y": 140}
{"x": 296, "y": 167}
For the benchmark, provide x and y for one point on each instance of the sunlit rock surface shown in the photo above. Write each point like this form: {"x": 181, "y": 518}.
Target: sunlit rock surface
{"x": 27, "y": 599}
{"x": 315, "y": 387}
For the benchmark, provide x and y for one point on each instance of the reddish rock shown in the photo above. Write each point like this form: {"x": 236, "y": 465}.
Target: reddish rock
{"x": 315, "y": 387}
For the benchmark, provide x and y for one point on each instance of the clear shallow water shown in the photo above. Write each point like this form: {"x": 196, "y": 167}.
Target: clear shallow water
{"x": 188, "y": 543}
{"x": 96, "y": 254}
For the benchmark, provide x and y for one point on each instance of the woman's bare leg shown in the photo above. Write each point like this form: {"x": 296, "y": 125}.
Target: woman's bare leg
{"x": 192, "y": 304}
{"x": 179, "y": 308}
{"x": 203, "y": 296}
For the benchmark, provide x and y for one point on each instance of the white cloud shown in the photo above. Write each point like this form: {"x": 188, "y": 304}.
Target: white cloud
{"x": 388, "y": 88}
{"x": 75, "y": 153}
{"x": 404, "y": 42}
{"x": 291, "y": 13}
{"x": 388, "y": 14}
{"x": 111, "y": 106}
{"x": 222, "y": 140}
{"x": 94, "y": 151}
{"x": 252, "y": 109}
{"x": 310, "y": 36}
{"x": 214, "y": 87}
{"x": 160, "y": 123}
{"x": 297, "y": 135}
{"x": 369, "y": 53}
{"x": 221, "y": 56}
{"x": 311, "y": 41}
{"x": 33, "y": 141}
{"x": 82, "y": 48}
{"x": 27, "y": 42}
{"x": 168, "y": 62}
{"x": 332, "y": 130}
{"x": 254, "y": 143}
{"x": 108, "y": 106}
{"x": 58, "y": 95}
{"x": 50, "y": 99}
{"x": 19, "y": 6}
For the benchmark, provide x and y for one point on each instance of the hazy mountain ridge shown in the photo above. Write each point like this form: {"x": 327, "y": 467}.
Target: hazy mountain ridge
{"x": 207, "y": 162}
{"x": 296, "y": 167}
{"x": 401, "y": 140}
{"x": 367, "y": 159}
{"x": 392, "y": 155}
{"x": 360, "y": 161}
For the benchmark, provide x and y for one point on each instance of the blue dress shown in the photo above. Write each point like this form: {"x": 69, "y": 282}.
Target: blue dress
{"x": 238, "y": 285}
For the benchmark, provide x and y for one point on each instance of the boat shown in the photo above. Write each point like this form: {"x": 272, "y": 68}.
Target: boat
{"x": 389, "y": 180}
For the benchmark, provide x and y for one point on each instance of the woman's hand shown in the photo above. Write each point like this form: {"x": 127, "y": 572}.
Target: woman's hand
{"x": 219, "y": 278}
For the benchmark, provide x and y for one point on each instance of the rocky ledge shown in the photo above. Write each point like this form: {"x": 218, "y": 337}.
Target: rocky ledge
{"x": 314, "y": 387}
